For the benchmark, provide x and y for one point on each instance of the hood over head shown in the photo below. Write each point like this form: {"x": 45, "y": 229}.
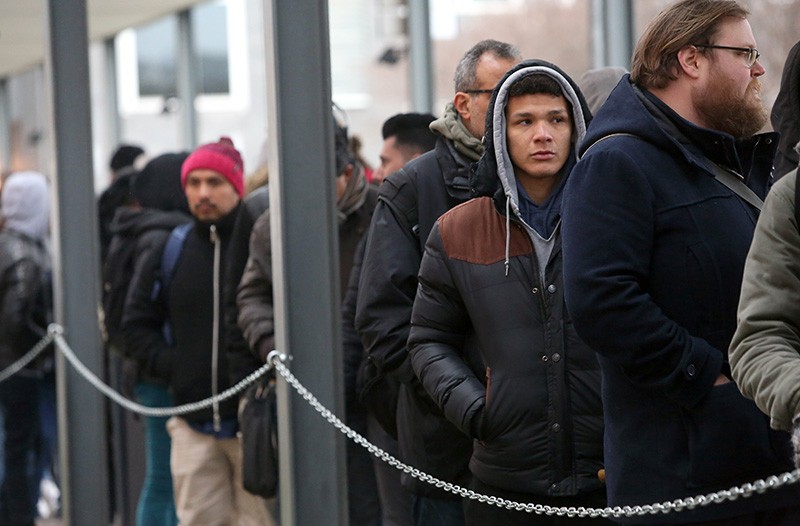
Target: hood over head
{"x": 25, "y": 204}
{"x": 495, "y": 164}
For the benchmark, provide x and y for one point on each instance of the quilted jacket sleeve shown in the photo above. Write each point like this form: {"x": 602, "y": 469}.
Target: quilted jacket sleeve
{"x": 439, "y": 323}
{"x": 764, "y": 353}
{"x": 254, "y": 297}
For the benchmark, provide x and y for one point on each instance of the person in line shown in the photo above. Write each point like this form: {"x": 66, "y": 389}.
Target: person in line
{"x": 355, "y": 202}
{"x": 125, "y": 163}
{"x": 490, "y": 280}
{"x": 410, "y": 202}
{"x": 25, "y": 301}
{"x": 405, "y": 137}
{"x": 173, "y": 324}
{"x": 764, "y": 352}
{"x": 658, "y": 217}
{"x": 137, "y": 232}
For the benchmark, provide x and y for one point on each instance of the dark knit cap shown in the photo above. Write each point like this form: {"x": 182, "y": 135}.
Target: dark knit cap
{"x": 124, "y": 156}
{"x": 158, "y": 185}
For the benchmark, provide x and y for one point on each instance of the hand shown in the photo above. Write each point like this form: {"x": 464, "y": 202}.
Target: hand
{"x": 721, "y": 379}
{"x": 796, "y": 441}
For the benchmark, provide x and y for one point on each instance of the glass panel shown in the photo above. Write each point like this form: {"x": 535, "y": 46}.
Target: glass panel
{"x": 156, "y": 51}
{"x": 210, "y": 36}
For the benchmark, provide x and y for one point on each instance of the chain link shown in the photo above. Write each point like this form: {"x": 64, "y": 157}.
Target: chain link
{"x": 276, "y": 359}
{"x": 29, "y": 356}
{"x": 57, "y": 333}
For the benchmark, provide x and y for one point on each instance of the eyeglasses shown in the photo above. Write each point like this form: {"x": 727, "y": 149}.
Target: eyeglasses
{"x": 477, "y": 91}
{"x": 750, "y": 54}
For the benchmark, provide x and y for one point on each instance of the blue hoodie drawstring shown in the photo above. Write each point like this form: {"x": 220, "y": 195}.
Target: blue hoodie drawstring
{"x": 508, "y": 230}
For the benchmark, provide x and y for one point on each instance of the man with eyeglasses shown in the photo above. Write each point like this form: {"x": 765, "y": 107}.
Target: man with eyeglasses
{"x": 659, "y": 215}
{"x": 410, "y": 201}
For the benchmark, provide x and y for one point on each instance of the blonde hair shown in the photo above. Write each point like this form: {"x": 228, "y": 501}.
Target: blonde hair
{"x": 655, "y": 59}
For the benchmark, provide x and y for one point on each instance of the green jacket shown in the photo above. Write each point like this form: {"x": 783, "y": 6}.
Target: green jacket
{"x": 765, "y": 351}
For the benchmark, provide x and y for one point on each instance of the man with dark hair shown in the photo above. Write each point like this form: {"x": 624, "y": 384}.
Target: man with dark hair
{"x": 659, "y": 215}
{"x": 355, "y": 201}
{"x": 125, "y": 163}
{"x": 206, "y": 456}
{"x": 405, "y": 137}
{"x": 410, "y": 202}
{"x": 490, "y": 280}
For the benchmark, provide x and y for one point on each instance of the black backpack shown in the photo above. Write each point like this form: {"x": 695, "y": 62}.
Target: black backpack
{"x": 117, "y": 271}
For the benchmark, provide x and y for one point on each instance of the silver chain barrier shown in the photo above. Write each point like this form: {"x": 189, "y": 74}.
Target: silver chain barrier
{"x": 29, "y": 356}
{"x": 276, "y": 359}
{"x": 57, "y": 333}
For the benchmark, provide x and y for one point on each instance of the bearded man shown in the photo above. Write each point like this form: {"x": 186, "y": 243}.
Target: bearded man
{"x": 658, "y": 218}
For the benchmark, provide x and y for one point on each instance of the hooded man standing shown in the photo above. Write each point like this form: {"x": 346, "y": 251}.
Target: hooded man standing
{"x": 491, "y": 280}
{"x": 206, "y": 456}
{"x": 24, "y": 314}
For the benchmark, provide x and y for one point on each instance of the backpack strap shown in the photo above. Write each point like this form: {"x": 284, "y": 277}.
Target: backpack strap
{"x": 169, "y": 260}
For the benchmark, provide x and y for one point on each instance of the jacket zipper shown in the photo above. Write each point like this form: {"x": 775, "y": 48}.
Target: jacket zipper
{"x": 215, "y": 329}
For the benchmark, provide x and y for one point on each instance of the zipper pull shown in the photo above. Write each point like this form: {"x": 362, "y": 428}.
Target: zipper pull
{"x": 217, "y": 422}
{"x": 212, "y": 231}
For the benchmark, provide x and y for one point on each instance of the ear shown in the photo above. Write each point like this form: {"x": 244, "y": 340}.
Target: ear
{"x": 461, "y": 102}
{"x": 690, "y": 61}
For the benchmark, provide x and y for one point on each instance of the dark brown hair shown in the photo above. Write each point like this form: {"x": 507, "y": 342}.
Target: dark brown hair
{"x": 655, "y": 59}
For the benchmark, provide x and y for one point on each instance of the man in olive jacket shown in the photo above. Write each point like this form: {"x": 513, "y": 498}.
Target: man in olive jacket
{"x": 765, "y": 352}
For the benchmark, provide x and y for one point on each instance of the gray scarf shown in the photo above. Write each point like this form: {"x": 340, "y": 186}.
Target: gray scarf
{"x": 355, "y": 194}
{"x": 450, "y": 127}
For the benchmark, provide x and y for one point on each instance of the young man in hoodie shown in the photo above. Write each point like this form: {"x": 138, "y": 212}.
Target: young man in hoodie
{"x": 410, "y": 202}
{"x": 206, "y": 454}
{"x": 658, "y": 217}
{"x": 490, "y": 280}
{"x": 24, "y": 301}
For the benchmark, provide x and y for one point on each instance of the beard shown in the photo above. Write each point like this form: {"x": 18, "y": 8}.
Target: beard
{"x": 723, "y": 109}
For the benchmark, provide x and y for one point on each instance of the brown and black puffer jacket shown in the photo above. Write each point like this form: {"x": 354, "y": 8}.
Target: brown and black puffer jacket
{"x": 537, "y": 416}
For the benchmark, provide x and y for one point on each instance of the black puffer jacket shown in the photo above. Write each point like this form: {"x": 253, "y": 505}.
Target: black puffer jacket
{"x": 537, "y": 417}
{"x": 427, "y": 187}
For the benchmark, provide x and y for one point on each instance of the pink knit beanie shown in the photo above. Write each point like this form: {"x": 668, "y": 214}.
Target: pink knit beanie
{"x": 221, "y": 157}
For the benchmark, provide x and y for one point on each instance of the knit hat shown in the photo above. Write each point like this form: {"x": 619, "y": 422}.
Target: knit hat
{"x": 221, "y": 157}
{"x": 158, "y": 185}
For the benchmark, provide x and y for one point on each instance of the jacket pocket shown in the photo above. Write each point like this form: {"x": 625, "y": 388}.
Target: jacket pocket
{"x": 729, "y": 440}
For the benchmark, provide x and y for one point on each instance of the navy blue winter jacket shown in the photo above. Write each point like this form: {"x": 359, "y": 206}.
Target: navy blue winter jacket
{"x": 654, "y": 250}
